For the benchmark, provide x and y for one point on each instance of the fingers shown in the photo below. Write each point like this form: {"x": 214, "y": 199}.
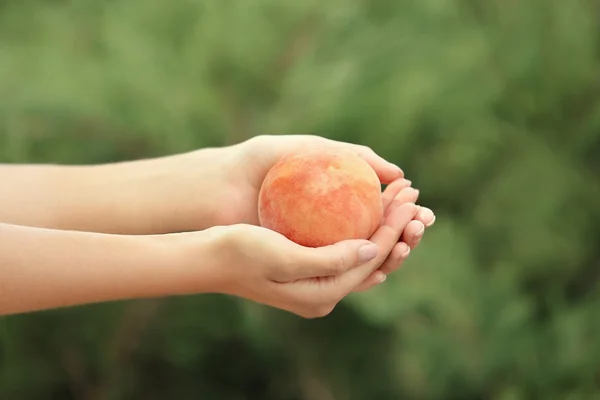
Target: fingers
{"x": 386, "y": 171}
{"x": 396, "y": 258}
{"x": 426, "y": 216}
{"x": 392, "y": 190}
{"x": 374, "y": 279}
{"x": 330, "y": 260}
{"x": 411, "y": 238}
{"x": 386, "y": 237}
{"x": 413, "y": 233}
{"x": 394, "y": 261}
{"x": 406, "y": 195}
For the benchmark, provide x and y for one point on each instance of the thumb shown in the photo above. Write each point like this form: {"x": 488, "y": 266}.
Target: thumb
{"x": 334, "y": 259}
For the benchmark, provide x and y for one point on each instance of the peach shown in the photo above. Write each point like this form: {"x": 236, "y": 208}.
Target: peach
{"x": 320, "y": 197}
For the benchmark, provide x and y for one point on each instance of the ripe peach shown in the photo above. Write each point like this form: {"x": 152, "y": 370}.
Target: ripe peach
{"x": 320, "y": 197}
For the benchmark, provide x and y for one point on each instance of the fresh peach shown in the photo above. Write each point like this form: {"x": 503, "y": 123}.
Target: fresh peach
{"x": 320, "y": 197}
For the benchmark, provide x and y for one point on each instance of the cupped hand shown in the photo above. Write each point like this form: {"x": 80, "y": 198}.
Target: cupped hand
{"x": 263, "y": 266}
{"x": 254, "y": 158}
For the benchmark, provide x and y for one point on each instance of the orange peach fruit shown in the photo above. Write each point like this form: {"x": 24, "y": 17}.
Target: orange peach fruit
{"x": 320, "y": 197}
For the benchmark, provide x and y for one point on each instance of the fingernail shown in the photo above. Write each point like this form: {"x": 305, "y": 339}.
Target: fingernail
{"x": 409, "y": 182}
{"x": 397, "y": 168}
{"x": 405, "y": 253}
{"x": 367, "y": 252}
{"x": 419, "y": 234}
{"x": 382, "y": 278}
{"x": 426, "y": 214}
{"x": 432, "y": 221}
{"x": 409, "y": 190}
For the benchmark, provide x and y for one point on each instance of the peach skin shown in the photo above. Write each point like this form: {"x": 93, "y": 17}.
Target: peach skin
{"x": 320, "y": 197}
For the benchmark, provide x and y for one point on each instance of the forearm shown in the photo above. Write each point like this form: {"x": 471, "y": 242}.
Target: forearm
{"x": 42, "y": 269}
{"x": 62, "y": 197}
{"x": 138, "y": 197}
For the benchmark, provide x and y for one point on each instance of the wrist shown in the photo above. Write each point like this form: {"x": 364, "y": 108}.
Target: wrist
{"x": 196, "y": 261}
{"x": 179, "y": 193}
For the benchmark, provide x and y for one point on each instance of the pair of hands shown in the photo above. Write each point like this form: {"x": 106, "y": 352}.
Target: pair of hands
{"x": 79, "y": 234}
{"x": 264, "y": 266}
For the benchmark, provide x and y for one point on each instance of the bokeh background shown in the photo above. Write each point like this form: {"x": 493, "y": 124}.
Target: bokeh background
{"x": 492, "y": 107}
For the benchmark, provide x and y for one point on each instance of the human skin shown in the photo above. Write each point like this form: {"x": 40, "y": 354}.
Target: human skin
{"x": 192, "y": 191}
{"x": 46, "y": 268}
{"x": 169, "y": 194}
{"x": 176, "y": 193}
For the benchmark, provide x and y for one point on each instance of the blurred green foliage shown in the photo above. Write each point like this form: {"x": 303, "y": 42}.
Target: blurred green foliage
{"x": 492, "y": 107}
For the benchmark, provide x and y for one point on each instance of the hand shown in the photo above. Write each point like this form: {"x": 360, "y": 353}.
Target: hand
{"x": 184, "y": 192}
{"x": 263, "y": 266}
{"x": 254, "y": 158}
{"x": 46, "y": 268}
{"x": 397, "y": 193}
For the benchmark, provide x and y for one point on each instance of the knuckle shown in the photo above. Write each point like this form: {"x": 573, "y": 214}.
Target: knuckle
{"x": 386, "y": 269}
{"x": 260, "y": 138}
{"x": 397, "y": 202}
{"x": 365, "y": 148}
{"x": 411, "y": 208}
{"x": 258, "y": 142}
{"x": 391, "y": 267}
{"x": 337, "y": 264}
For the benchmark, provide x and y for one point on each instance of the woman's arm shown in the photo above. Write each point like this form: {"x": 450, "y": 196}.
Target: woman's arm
{"x": 158, "y": 195}
{"x": 42, "y": 268}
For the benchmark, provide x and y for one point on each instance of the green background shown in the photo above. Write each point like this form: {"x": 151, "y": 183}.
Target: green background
{"x": 492, "y": 108}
